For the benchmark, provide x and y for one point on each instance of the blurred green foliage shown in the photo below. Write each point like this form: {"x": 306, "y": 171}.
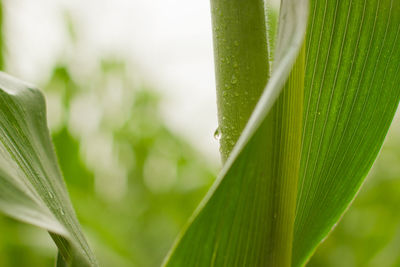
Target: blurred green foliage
{"x": 134, "y": 183}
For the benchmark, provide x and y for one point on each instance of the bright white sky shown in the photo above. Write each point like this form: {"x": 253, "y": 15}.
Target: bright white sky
{"x": 169, "y": 40}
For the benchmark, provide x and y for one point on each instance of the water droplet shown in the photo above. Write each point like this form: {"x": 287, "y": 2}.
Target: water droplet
{"x": 217, "y": 134}
{"x": 234, "y": 79}
{"x": 51, "y": 195}
{"x": 62, "y": 211}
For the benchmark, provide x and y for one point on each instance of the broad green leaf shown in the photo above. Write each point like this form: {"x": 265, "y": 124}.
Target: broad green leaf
{"x": 31, "y": 185}
{"x": 352, "y": 90}
{"x": 240, "y": 222}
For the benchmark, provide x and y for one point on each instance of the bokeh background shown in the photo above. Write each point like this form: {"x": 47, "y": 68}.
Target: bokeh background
{"x": 131, "y": 108}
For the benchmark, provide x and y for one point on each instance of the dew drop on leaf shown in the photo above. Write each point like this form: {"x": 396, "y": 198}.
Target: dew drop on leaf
{"x": 217, "y": 134}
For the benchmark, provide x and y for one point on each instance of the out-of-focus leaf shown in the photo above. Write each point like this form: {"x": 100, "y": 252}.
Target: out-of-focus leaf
{"x": 31, "y": 186}
{"x": 352, "y": 90}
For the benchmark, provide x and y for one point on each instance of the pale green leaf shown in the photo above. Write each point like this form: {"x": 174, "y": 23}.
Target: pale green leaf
{"x": 31, "y": 186}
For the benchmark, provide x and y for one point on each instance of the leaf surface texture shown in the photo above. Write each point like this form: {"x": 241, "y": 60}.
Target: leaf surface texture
{"x": 31, "y": 185}
{"x": 352, "y": 90}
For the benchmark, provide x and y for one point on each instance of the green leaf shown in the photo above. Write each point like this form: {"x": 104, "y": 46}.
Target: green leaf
{"x": 352, "y": 90}
{"x": 240, "y": 222}
{"x": 31, "y": 185}
{"x": 291, "y": 176}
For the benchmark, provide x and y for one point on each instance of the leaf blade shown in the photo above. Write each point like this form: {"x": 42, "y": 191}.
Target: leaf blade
{"x": 31, "y": 185}
{"x": 349, "y": 104}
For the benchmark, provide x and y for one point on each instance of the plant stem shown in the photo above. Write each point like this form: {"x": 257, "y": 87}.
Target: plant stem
{"x": 242, "y": 71}
{"x": 241, "y": 64}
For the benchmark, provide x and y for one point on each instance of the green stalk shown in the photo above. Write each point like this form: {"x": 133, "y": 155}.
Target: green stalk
{"x": 241, "y": 64}
{"x": 242, "y": 71}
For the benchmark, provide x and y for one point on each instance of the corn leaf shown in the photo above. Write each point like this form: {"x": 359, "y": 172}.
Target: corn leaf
{"x": 352, "y": 90}
{"x": 240, "y": 222}
{"x": 31, "y": 185}
{"x": 346, "y": 83}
